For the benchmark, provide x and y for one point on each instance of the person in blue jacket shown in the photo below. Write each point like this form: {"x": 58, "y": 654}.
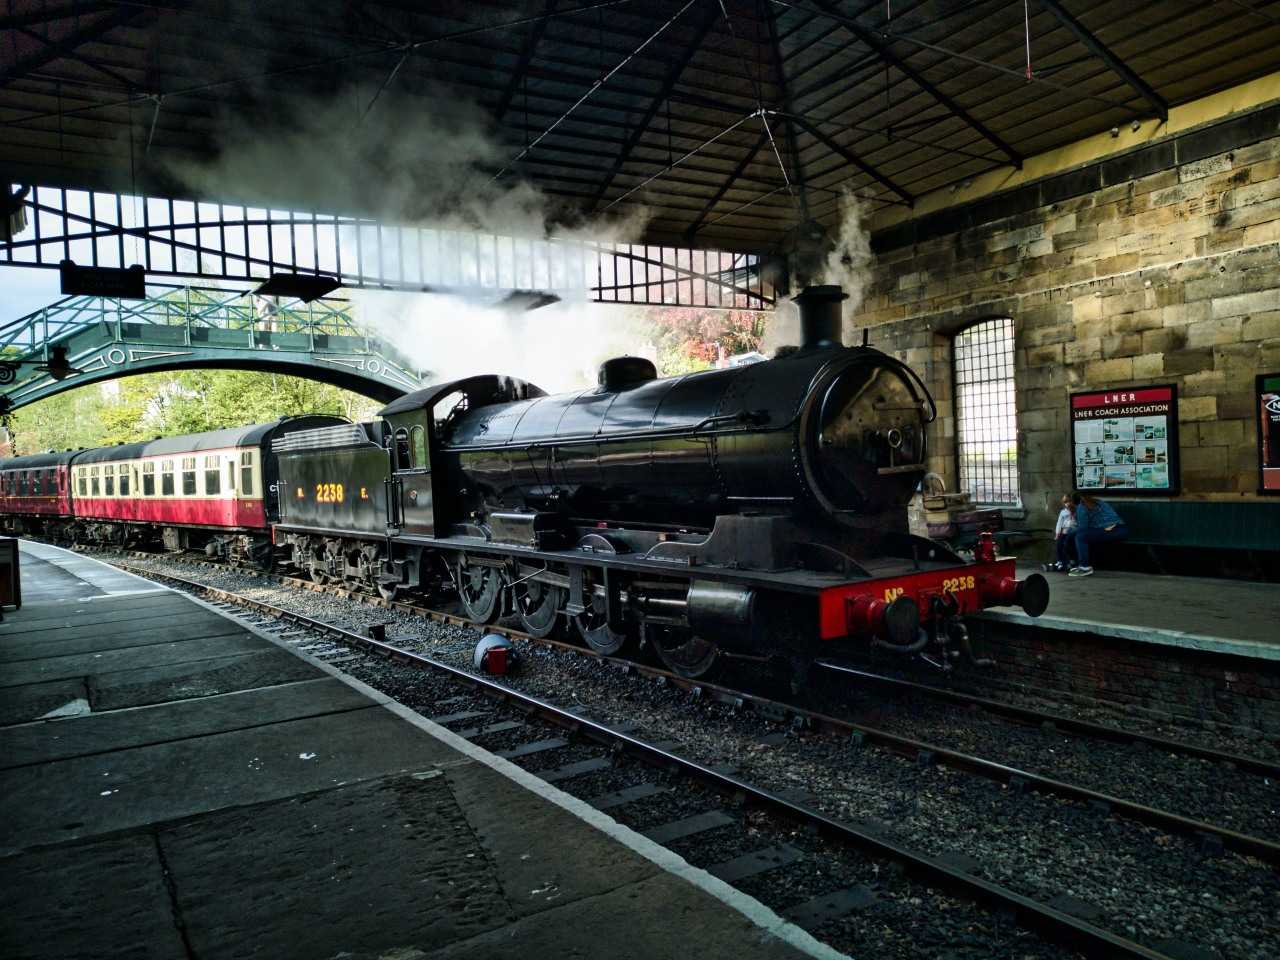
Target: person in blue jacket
{"x": 1096, "y": 522}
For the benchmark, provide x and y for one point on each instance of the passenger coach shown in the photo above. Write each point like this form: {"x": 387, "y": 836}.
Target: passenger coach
{"x": 213, "y": 491}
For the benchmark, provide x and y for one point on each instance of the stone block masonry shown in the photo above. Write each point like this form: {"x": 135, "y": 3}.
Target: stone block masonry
{"x": 1168, "y": 277}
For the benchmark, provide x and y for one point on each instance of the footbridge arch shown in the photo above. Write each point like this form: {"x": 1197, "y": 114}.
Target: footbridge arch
{"x": 78, "y": 341}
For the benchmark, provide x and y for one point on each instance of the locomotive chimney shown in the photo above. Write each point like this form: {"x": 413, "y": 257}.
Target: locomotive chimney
{"x": 820, "y": 316}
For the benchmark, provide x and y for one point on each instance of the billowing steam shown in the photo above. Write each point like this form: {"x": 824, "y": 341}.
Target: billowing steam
{"x": 558, "y": 347}
{"x": 822, "y": 256}
{"x": 435, "y": 171}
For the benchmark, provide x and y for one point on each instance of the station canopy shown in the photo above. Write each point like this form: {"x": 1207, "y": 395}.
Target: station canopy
{"x": 730, "y": 121}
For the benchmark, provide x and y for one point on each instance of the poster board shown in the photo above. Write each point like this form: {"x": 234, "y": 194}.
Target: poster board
{"x": 1268, "y": 406}
{"x": 1125, "y": 440}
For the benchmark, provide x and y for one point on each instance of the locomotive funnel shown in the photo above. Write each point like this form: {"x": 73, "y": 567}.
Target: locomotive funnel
{"x": 820, "y": 315}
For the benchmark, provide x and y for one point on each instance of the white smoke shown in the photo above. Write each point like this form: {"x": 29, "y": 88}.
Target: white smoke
{"x": 849, "y": 262}
{"x": 842, "y": 257}
{"x": 432, "y": 178}
{"x": 557, "y": 347}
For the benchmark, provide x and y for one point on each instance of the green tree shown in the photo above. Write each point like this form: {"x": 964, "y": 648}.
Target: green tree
{"x": 693, "y": 338}
{"x": 165, "y": 404}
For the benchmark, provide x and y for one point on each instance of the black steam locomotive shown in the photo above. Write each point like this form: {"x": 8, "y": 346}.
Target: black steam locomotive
{"x": 758, "y": 511}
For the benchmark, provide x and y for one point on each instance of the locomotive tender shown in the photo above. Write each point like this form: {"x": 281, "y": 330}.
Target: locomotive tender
{"x": 757, "y": 511}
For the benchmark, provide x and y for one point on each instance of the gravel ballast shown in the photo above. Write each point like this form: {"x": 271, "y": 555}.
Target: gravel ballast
{"x": 1134, "y": 880}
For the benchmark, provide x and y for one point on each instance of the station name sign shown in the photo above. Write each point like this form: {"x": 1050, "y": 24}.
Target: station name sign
{"x": 1125, "y": 440}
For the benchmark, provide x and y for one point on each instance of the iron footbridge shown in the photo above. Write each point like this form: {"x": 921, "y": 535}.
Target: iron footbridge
{"x": 82, "y": 340}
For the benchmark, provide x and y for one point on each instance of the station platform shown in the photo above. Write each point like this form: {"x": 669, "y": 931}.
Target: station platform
{"x": 178, "y": 785}
{"x": 1236, "y": 617}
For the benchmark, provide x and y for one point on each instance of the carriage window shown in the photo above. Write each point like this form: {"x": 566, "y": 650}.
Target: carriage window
{"x": 124, "y": 480}
{"x": 166, "y": 478}
{"x": 246, "y": 473}
{"x": 50, "y": 482}
{"x": 109, "y": 482}
{"x": 986, "y": 418}
{"x": 35, "y": 483}
{"x": 419, "y": 448}
{"x": 402, "y": 450}
{"x": 82, "y": 482}
{"x": 212, "y": 476}
{"x": 188, "y": 476}
{"x": 148, "y": 479}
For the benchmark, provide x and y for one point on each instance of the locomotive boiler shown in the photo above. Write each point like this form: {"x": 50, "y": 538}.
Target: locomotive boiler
{"x": 831, "y": 435}
{"x": 757, "y": 511}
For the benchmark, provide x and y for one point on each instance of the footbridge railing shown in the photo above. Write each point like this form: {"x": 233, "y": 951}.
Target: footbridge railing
{"x": 81, "y": 340}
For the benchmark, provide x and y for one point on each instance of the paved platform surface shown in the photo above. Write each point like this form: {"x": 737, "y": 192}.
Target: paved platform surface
{"x": 178, "y": 786}
{"x": 1201, "y": 613}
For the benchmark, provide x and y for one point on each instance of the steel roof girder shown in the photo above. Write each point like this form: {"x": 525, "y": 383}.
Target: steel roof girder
{"x": 1107, "y": 56}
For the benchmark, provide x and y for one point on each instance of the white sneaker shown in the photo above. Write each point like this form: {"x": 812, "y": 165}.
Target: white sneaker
{"x": 1081, "y": 572}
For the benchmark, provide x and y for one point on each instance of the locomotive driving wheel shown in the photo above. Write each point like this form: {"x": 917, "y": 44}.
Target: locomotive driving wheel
{"x": 537, "y": 605}
{"x": 684, "y": 652}
{"x": 480, "y": 590}
{"x": 593, "y": 624}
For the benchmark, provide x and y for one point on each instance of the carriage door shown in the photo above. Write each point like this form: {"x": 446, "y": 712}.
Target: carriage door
{"x": 412, "y": 482}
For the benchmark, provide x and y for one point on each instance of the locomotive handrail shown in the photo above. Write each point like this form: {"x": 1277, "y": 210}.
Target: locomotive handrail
{"x": 744, "y": 417}
{"x": 933, "y": 407}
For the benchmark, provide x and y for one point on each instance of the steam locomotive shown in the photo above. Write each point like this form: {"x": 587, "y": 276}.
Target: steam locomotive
{"x": 755, "y": 512}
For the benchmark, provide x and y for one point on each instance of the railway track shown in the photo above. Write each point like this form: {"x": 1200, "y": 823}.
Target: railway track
{"x": 1209, "y": 839}
{"x": 1210, "y": 836}
{"x": 533, "y": 726}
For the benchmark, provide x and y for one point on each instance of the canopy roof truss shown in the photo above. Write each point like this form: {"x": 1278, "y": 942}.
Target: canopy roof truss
{"x": 730, "y": 121}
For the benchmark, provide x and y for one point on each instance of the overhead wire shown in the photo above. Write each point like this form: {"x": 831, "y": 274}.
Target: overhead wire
{"x": 592, "y": 89}
{"x": 316, "y": 64}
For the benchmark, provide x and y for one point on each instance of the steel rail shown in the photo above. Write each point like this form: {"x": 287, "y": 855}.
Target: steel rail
{"x": 1070, "y": 724}
{"x": 917, "y": 750}
{"x": 1057, "y": 926}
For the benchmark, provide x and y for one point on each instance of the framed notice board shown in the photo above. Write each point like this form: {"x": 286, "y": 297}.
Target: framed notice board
{"x": 1125, "y": 440}
{"x": 1268, "y": 407}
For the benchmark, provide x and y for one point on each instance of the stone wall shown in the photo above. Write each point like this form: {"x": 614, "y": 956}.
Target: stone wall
{"x": 1159, "y": 267}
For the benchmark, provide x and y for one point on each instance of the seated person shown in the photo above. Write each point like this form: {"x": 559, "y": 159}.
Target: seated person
{"x": 1064, "y": 537}
{"x": 1096, "y": 522}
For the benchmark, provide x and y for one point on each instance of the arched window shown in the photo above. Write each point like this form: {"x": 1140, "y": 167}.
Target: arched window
{"x": 986, "y": 412}
{"x": 419, "y": 447}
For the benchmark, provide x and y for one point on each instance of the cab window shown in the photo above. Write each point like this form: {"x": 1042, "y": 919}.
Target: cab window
{"x": 419, "y": 447}
{"x": 402, "y": 450}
